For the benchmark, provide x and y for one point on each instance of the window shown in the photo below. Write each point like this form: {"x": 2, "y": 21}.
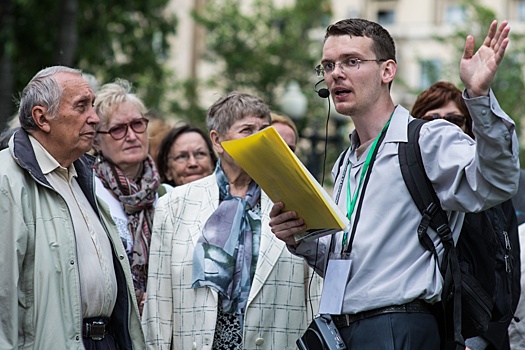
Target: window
{"x": 455, "y": 14}
{"x": 430, "y": 73}
{"x": 385, "y": 16}
{"x": 521, "y": 10}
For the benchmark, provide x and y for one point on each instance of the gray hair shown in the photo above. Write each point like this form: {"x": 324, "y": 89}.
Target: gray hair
{"x": 232, "y": 107}
{"x": 111, "y": 95}
{"x": 43, "y": 90}
{"x": 92, "y": 81}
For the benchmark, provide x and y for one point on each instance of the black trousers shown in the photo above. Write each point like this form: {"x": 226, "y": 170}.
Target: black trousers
{"x": 394, "y": 331}
{"x": 108, "y": 343}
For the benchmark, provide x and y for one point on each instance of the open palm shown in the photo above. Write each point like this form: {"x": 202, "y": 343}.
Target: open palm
{"x": 478, "y": 70}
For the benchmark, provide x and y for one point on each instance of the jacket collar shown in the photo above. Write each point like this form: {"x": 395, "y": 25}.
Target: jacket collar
{"x": 270, "y": 245}
{"x": 23, "y": 153}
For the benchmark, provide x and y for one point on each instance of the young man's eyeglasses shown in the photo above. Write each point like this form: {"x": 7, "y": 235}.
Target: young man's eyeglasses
{"x": 454, "y": 118}
{"x": 118, "y": 132}
{"x": 184, "y": 157}
{"x": 348, "y": 63}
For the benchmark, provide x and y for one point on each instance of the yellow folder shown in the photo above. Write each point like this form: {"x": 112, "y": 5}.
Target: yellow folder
{"x": 270, "y": 162}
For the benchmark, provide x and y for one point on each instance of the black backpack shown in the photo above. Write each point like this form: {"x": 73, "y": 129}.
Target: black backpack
{"x": 481, "y": 285}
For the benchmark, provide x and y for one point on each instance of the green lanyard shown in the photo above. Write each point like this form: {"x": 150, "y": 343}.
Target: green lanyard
{"x": 350, "y": 204}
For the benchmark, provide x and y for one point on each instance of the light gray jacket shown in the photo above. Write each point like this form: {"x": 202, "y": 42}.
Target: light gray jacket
{"x": 40, "y": 302}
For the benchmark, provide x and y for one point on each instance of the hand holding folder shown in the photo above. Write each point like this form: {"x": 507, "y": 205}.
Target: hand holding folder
{"x": 270, "y": 162}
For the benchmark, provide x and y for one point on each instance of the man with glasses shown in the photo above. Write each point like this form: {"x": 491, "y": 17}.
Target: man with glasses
{"x": 384, "y": 279}
{"x": 65, "y": 282}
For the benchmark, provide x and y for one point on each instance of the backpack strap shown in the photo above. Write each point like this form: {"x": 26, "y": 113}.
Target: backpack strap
{"x": 421, "y": 190}
{"x": 433, "y": 216}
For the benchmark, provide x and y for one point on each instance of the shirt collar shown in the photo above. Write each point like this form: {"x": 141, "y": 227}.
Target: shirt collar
{"x": 48, "y": 163}
{"x": 397, "y": 131}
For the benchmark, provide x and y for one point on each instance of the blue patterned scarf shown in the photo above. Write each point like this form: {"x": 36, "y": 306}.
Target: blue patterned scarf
{"x": 225, "y": 256}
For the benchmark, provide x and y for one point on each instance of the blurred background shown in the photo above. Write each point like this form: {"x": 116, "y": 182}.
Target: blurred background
{"x": 181, "y": 55}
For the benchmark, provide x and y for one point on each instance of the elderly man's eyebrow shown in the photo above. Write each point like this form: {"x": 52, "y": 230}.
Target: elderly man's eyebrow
{"x": 84, "y": 100}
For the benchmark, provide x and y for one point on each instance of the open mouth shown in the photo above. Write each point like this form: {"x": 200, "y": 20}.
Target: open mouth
{"x": 341, "y": 92}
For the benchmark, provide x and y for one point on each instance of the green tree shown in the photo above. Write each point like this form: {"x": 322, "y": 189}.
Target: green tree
{"x": 110, "y": 39}
{"x": 263, "y": 49}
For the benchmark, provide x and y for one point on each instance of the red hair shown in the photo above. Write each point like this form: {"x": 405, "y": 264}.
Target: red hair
{"x": 438, "y": 95}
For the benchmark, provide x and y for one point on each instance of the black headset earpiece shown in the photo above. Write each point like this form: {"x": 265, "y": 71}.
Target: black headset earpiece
{"x": 323, "y": 93}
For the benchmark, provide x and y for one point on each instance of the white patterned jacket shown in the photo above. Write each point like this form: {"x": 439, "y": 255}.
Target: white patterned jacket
{"x": 177, "y": 316}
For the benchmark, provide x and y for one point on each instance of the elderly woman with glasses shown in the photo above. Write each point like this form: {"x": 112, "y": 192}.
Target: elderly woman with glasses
{"x": 185, "y": 155}
{"x": 126, "y": 176}
{"x": 218, "y": 277}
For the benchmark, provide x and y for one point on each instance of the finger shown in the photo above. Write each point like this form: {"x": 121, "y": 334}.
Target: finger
{"x": 282, "y": 217}
{"x": 276, "y": 209}
{"x": 492, "y": 33}
{"x": 503, "y": 41}
{"x": 288, "y": 229}
{"x": 469, "y": 47}
{"x": 501, "y": 35}
{"x": 501, "y": 51}
{"x": 503, "y": 32}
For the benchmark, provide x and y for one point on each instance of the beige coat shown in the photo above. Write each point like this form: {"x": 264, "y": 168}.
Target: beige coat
{"x": 278, "y": 310}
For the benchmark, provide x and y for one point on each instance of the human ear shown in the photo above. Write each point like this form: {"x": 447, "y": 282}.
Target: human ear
{"x": 216, "y": 142}
{"x": 41, "y": 118}
{"x": 389, "y": 71}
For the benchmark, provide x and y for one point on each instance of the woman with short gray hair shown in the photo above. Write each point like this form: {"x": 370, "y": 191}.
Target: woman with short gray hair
{"x": 218, "y": 277}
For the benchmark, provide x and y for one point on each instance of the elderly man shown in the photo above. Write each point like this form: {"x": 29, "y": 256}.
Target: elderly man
{"x": 65, "y": 281}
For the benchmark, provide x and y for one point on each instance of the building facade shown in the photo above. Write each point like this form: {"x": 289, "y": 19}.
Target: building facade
{"x": 414, "y": 25}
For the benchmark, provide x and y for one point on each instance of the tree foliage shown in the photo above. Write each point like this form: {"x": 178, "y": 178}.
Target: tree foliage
{"x": 509, "y": 83}
{"x": 263, "y": 49}
{"x": 110, "y": 39}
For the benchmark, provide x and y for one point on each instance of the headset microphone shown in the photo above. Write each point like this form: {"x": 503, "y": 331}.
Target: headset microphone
{"x": 323, "y": 93}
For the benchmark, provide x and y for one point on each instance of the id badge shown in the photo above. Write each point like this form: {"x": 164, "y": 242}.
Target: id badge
{"x": 334, "y": 284}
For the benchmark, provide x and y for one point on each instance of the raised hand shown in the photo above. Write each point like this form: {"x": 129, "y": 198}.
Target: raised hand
{"x": 478, "y": 70}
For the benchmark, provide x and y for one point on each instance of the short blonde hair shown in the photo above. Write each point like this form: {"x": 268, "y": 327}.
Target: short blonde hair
{"x": 278, "y": 118}
{"x": 110, "y": 96}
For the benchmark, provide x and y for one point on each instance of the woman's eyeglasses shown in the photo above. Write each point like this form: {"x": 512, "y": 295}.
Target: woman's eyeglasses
{"x": 185, "y": 157}
{"x": 457, "y": 119}
{"x": 118, "y": 132}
